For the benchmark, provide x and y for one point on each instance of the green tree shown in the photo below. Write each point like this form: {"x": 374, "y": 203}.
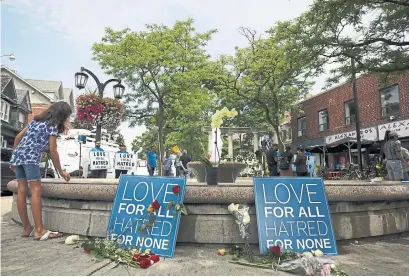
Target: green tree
{"x": 374, "y": 33}
{"x": 271, "y": 74}
{"x": 161, "y": 65}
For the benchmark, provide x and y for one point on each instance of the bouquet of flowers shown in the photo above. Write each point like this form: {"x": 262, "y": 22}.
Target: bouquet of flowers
{"x": 241, "y": 213}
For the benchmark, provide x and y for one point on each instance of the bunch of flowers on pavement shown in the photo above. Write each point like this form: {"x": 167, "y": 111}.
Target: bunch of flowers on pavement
{"x": 312, "y": 263}
{"x": 111, "y": 249}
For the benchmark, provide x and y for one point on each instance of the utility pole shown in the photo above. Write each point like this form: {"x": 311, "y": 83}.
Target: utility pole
{"x": 357, "y": 121}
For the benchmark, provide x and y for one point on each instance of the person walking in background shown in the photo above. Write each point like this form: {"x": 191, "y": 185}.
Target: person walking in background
{"x": 393, "y": 155}
{"x": 301, "y": 163}
{"x": 29, "y": 145}
{"x": 272, "y": 160}
{"x": 151, "y": 161}
{"x": 178, "y": 166}
{"x": 167, "y": 164}
{"x": 100, "y": 173}
{"x": 184, "y": 160}
{"x": 285, "y": 162}
{"x": 118, "y": 172}
{"x": 405, "y": 166}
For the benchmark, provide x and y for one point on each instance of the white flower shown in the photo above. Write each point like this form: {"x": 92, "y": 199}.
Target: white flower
{"x": 333, "y": 266}
{"x": 233, "y": 208}
{"x": 307, "y": 254}
{"x": 317, "y": 253}
{"x": 246, "y": 219}
{"x": 70, "y": 240}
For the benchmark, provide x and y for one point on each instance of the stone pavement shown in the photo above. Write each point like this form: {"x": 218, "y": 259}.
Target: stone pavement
{"x": 23, "y": 256}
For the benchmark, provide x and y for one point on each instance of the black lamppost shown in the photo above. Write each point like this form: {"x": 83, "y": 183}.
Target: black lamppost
{"x": 81, "y": 79}
{"x": 357, "y": 119}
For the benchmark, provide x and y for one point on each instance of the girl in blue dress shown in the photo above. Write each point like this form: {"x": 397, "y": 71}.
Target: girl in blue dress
{"x": 40, "y": 134}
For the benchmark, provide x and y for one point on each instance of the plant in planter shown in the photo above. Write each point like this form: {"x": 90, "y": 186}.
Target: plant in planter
{"x": 211, "y": 171}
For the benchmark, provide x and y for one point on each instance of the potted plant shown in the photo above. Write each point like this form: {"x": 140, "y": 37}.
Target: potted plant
{"x": 211, "y": 171}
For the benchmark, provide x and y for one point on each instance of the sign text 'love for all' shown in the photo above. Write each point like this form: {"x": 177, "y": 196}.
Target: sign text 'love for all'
{"x": 99, "y": 160}
{"x": 129, "y": 213}
{"x": 293, "y": 214}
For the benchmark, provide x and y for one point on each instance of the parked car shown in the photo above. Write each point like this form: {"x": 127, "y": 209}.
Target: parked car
{"x": 8, "y": 175}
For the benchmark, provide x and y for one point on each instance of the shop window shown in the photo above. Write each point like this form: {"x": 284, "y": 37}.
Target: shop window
{"x": 390, "y": 101}
{"x": 302, "y": 126}
{"x": 323, "y": 120}
{"x": 350, "y": 112}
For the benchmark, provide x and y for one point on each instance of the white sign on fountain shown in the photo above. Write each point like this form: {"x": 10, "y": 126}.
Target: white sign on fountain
{"x": 215, "y": 148}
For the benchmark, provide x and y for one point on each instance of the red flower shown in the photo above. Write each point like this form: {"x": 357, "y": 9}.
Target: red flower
{"x": 276, "y": 250}
{"x": 88, "y": 250}
{"x": 155, "y": 258}
{"x": 145, "y": 263}
{"x": 135, "y": 258}
{"x": 155, "y": 204}
{"x": 176, "y": 190}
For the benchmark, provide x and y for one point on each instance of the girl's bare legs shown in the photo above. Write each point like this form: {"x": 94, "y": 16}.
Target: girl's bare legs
{"x": 22, "y": 191}
{"x": 37, "y": 210}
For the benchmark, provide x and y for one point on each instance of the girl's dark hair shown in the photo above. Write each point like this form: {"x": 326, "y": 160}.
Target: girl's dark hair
{"x": 56, "y": 115}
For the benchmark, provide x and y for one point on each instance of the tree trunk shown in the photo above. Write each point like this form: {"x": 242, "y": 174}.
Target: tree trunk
{"x": 160, "y": 139}
{"x": 279, "y": 140}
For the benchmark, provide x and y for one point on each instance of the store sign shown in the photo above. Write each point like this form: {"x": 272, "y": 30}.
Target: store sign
{"x": 400, "y": 127}
{"x": 366, "y": 134}
{"x": 99, "y": 160}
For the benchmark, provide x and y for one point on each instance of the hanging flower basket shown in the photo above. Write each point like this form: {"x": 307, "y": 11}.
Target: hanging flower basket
{"x": 93, "y": 109}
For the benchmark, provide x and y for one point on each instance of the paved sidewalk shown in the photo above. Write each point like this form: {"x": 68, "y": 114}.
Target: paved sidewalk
{"x": 23, "y": 256}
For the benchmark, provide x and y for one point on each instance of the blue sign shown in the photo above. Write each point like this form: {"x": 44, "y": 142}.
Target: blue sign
{"x": 129, "y": 213}
{"x": 293, "y": 214}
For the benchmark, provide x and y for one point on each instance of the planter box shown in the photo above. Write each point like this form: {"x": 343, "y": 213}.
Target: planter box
{"x": 228, "y": 172}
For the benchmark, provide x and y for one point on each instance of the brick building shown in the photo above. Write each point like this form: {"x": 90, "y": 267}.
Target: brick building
{"x": 330, "y": 116}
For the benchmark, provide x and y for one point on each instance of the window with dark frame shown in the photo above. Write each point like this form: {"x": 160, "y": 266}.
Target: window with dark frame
{"x": 323, "y": 120}
{"x": 350, "y": 112}
{"x": 302, "y": 126}
{"x": 390, "y": 103}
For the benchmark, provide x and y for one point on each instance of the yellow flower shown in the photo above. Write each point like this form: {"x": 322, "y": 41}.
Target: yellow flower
{"x": 70, "y": 240}
{"x": 150, "y": 209}
{"x": 221, "y": 252}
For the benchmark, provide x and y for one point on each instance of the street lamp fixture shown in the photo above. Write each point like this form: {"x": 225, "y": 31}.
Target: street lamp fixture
{"x": 81, "y": 79}
{"x": 11, "y": 56}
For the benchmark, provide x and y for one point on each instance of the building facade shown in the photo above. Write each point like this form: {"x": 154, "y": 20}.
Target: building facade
{"x": 15, "y": 108}
{"x": 329, "y": 117}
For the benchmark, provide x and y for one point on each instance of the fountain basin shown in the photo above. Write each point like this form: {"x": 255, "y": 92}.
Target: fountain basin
{"x": 228, "y": 172}
{"x": 358, "y": 210}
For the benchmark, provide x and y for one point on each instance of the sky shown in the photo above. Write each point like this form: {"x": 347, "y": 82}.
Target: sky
{"x": 52, "y": 39}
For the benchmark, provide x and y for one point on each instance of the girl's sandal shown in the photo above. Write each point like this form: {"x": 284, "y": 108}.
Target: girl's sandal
{"x": 47, "y": 236}
{"x": 29, "y": 235}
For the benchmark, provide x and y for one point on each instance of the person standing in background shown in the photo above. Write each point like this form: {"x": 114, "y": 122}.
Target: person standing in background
{"x": 151, "y": 161}
{"x": 285, "y": 163}
{"x": 272, "y": 160}
{"x": 184, "y": 160}
{"x": 178, "y": 167}
{"x": 405, "y": 166}
{"x": 118, "y": 172}
{"x": 393, "y": 155}
{"x": 301, "y": 163}
{"x": 167, "y": 164}
{"x": 101, "y": 173}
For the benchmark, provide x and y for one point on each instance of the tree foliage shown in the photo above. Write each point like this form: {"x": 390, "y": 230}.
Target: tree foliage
{"x": 164, "y": 67}
{"x": 374, "y": 33}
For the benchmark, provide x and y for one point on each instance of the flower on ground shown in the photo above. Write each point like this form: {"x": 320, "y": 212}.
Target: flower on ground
{"x": 87, "y": 250}
{"x": 136, "y": 257}
{"x": 246, "y": 219}
{"x": 145, "y": 263}
{"x": 155, "y": 258}
{"x": 155, "y": 204}
{"x": 307, "y": 254}
{"x": 326, "y": 270}
{"x": 176, "y": 189}
{"x": 276, "y": 250}
{"x": 233, "y": 207}
{"x": 70, "y": 240}
{"x": 309, "y": 270}
{"x": 221, "y": 252}
{"x": 317, "y": 253}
